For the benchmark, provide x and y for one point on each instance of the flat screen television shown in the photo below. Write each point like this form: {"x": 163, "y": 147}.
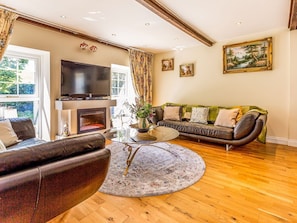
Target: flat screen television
{"x": 79, "y": 79}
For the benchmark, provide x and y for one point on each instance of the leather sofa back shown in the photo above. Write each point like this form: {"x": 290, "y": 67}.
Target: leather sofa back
{"x": 34, "y": 155}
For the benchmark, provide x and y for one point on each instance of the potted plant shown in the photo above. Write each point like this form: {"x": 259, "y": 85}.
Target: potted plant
{"x": 142, "y": 111}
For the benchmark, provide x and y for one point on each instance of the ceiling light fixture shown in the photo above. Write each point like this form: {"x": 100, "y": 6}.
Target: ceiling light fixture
{"x": 95, "y": 12}
{"x": 89, "y": 19}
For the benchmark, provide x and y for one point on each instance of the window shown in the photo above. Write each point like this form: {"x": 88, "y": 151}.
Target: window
{"x": 20, "y": 92}
{"x": 123, "y": 91}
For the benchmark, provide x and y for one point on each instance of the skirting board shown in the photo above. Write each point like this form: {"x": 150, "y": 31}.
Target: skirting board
{"x": 282, "y": 141}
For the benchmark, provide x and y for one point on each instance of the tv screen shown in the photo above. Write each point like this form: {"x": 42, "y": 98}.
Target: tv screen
{"x": 84, "y": 79}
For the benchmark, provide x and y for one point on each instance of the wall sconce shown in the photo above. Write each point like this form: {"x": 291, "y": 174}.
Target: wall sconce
{"x": 93, "y": 48}
{"x": 83, "y": 45}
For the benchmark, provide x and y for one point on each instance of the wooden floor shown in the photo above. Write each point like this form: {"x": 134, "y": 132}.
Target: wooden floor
{"x": 253, "y": 183}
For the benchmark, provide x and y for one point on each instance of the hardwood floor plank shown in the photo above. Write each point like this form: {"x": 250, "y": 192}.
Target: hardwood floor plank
{"x": 252, "y": 183}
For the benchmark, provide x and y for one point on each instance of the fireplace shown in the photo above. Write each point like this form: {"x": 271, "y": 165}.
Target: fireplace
{"x": 91, "y": 119}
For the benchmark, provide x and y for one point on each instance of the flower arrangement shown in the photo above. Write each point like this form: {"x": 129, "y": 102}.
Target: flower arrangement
{"x": 141, "y": 109}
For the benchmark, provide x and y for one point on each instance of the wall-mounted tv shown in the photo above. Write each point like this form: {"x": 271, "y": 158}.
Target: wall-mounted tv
{"x": 79, "y": 79}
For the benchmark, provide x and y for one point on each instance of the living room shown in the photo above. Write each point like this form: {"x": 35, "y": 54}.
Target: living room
{"x": 276, "y": 86}
{"x": 274, "y": 90}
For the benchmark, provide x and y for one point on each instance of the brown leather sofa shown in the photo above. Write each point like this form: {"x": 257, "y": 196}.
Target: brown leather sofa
{"x": 40, "y": 180}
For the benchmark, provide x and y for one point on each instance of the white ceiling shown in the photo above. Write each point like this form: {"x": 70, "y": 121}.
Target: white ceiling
{"x": 128, "y": 23}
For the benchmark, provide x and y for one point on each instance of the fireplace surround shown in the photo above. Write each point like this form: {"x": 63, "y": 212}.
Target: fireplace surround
{"x": 67, "y": 113}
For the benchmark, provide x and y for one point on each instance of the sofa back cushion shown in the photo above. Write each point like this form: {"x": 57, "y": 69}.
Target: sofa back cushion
{"x": 35, "y": 155}
{"x": 245, "y": 125}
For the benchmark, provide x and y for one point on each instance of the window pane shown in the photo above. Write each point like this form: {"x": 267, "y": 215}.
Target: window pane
{"x": 8, "y": 76}
{"x": 26, "y": 64}
{"x": 26, "y": 88}
{"x": 6, "y": 88}
{"x": 8, "y": 63}
{"x": 24, "y": 108}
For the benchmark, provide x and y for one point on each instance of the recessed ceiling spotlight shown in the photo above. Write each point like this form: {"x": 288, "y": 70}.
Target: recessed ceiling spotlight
{"x": 63, "y": 16}
{"x": 147, "y": 24}
{"x": 89, "y": 19}
{"x": 113, "y": 34}
{"x": 95, "y": 12}
{"x": 239, "y": 23}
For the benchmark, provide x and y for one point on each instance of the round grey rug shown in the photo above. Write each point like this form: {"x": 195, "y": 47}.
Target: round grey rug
{"x": 154, "y": 171}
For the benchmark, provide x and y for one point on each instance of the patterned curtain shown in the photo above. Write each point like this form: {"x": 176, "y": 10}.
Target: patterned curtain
{"x": 7, "y": 20}
{"x": 141, "y": 65}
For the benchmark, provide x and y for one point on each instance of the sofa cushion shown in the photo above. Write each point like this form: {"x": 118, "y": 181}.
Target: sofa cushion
{"x": 172, "y": 113}
{"x": 199, "y": 129}
{"x": 23, "y": 127}
{"x": 7, "y": 134}
{"x": 244, "y": 126}
{"x": 199, "y": 114}
{"x": 227, "y": 117}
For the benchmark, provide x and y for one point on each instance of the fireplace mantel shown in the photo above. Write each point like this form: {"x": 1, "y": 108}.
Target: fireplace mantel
{"x": 80, "y": 104}
{"x": 67, "y": 112}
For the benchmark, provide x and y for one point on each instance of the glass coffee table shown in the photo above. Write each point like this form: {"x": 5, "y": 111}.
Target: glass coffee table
{"x": 134, "y": 140}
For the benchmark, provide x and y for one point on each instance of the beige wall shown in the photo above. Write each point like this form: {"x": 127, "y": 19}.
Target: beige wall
{"x": 274, "y": 90}
{"x": 63, "y": 46}
{"x": 209, "y": 86}
{"x": 293, "y": 90}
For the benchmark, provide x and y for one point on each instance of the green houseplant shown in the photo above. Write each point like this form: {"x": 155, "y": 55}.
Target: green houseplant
{"x": 142, "y": 110}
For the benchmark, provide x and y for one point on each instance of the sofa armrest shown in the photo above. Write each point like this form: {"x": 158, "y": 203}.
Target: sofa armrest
{"x": 245, "y": 125}
{"x": 157, "y": 114}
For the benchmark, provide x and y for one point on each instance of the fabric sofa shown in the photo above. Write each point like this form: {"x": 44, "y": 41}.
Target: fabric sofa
{"x": 232, "y": 126}
{"x": 40, "y": 180}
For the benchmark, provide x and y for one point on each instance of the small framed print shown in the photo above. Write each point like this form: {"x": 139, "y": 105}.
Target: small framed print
{"x": 186, "y": 70}
{"x": 168, "y": 64}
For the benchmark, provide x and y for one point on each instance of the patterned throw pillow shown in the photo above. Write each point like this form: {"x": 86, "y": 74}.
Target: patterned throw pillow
{"x": 199, "y": 114}
{"x": 172, "y": 113}
{"x": 227, "y": 117}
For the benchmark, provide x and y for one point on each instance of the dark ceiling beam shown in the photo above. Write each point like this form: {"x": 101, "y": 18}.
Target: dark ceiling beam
{"x": 170, "y": 17}
{"x": 293, "y": 15}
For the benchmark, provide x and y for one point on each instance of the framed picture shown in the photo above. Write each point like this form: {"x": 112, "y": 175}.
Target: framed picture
{"x": 186, "y": 70}
{"x": 248, "y": 56}
{"x": 168, "y": 64}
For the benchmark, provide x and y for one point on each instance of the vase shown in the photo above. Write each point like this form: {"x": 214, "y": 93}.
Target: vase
{"x": 143, "y": 125}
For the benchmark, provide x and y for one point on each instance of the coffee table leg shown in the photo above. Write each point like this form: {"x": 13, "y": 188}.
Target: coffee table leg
{"x": 130, "y": 157}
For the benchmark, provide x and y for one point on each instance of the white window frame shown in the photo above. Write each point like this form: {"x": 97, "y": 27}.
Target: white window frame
{"x": 129, "y": 96}
{"x": 42, "y": 86}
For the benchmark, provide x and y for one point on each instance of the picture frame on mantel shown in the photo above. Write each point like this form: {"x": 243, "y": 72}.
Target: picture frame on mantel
{"x": 186, "y": 70}
{"x": 168, "y": 64}
{"x": 248, "y": 56}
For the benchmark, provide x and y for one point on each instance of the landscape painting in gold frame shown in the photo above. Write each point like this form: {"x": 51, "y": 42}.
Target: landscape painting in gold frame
{"x": 248, "y": 56}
